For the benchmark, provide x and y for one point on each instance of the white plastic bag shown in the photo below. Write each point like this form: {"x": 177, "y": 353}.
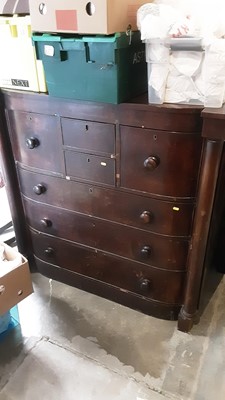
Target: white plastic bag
{"x": 215, "y": 74}
{"x": 155, "y": 20}
{"x": 7, "y": 263}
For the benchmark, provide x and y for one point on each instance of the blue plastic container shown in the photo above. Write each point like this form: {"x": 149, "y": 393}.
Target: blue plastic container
{"x": 8, "y": 321}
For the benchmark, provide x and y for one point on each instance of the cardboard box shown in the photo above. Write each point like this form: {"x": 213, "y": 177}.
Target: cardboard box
{"x": 15, "y": 279}
{"x": 95, "y": 17}
{"x": 10, "y": 7}
{"x": 19, "y": 67}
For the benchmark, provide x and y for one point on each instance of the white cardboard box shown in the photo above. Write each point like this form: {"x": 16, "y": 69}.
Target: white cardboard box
{"x": 86, "y": 17}
{"x": 15, "y": 279}
{"x": 19, "y": 67}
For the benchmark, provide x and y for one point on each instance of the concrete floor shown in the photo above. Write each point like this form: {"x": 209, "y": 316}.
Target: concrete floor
{"x": 74, "y": 345}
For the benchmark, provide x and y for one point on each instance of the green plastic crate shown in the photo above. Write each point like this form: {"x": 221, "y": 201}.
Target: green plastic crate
{"x": 109, "y": 69}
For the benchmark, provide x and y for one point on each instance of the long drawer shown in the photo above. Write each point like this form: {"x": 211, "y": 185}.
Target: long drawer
{"x": 163, "y": 286}
{"x": 168, "y": 218}
{"x": 156, "y": 250}
{"x": 36, "y": 140}
{"x": 157, "y": 162}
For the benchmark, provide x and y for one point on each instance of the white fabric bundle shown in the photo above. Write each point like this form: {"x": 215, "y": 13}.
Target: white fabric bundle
{"x": 7, "y": 262}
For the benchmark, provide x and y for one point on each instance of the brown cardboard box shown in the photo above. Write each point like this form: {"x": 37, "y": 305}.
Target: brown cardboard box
{"x": 95, "y": 17}
{"x": 15, "y": 279}
{"x": 9, "y": 7}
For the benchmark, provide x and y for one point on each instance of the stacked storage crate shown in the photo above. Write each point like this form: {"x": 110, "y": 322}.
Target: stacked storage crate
{"x": 90, "y": 50}
{"x": 19, "y": 67}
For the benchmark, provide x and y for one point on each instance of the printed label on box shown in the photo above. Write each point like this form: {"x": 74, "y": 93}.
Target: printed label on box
{"x": 66, "y": 20}
{"x": 20, "y": 82}
{"x": 139, "y": 57}
{"x": 4, "y": 81}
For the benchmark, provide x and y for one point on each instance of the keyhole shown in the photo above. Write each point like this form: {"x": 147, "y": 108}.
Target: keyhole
{"x": 88, "y": 160}
{"x": 86, "y": 127}
{"x": 90, "y": 8}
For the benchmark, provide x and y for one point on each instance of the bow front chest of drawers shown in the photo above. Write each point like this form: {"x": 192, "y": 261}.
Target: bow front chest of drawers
{"x": 107, "y": 194}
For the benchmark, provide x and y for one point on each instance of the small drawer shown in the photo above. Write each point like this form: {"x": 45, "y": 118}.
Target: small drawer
{"x": 156, "y": 250}
{"x": 90, "y": 168}
{"x": 157, "y": 162}
{"x": 163, "y": 286}
{"x": 164, "y": 217}
{"x": 89, "y": 136}
{"x": 36, "y": 140}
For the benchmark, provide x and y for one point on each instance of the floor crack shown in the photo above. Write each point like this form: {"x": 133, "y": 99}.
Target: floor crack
{"x": 124, "y": 375}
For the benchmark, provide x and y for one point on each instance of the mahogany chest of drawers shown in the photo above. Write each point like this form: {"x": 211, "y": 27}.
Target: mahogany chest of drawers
{"x": 108, "y": 194}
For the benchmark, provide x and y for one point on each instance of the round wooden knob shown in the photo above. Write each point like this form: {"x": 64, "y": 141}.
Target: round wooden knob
{"x": 32, "y": 142}
{"x": 39, "y": 189}
{"x": 46, "y": 223}
{"x": 49, "y": 252}
{"x": 151, "y": 163}
{"x": 146, "y": 252}
{"x": 146, "y": 217}
{"x": 145, "y": 284}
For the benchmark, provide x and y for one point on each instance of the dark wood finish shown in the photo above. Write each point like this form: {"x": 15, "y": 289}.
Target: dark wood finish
{"x": 138, "y": 302}
{"x": 11, "y": 183}
{"x": 217, "y": 230}
{"x": 167, "y": 171}
{"x": 116, "y": 271}
{"x": 88, "y": 136}
{"x": 198, "y": 244}
{"x": 166, "y": 117}
{"x": 164, "y": 217}
{"x": 27, "y": 128}
{"x": 114, "y": 238}
{"x": 207, "y": 217}
{"x": 110, "y": 192}
{"x": 90, "y": 167}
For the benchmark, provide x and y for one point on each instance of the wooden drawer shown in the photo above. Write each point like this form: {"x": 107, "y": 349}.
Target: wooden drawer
{"x": 36, "y": 140}
{"x": 158, "y": 162}
{"x": 90, "y": 168}
{"x": 169, "y": 218}
{"x": 164, "y": 286}
{"x": 88, "y": 136}
{"x": 166, "y": 117}
{"x": 159, "y": 251}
